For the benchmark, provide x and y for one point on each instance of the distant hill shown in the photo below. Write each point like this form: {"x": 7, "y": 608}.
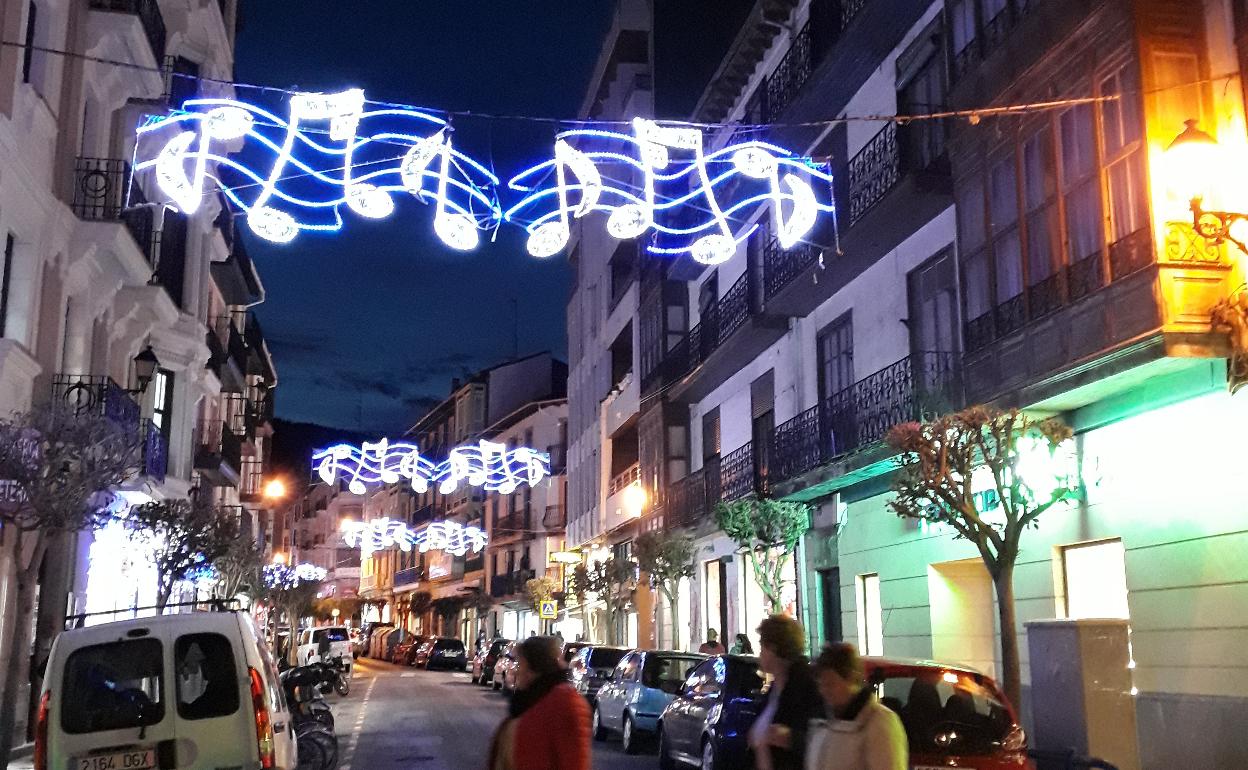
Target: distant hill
{"x": 294, "y": 442}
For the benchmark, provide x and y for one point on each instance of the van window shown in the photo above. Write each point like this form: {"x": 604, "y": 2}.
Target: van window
{"x": 332, "y": 634}
{"x": 207, "y": 684}
{"x": 114, "y": 686}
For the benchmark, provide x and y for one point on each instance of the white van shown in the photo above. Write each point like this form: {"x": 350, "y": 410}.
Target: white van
{"x": 310, "y": 640}
{"x": 190, "y": 691}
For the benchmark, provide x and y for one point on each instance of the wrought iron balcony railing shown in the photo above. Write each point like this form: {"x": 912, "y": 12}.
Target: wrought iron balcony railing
{"x": 919, "y": 385}
{"x": 780, "y": 265}
{"x": 555, "y": 518}
{"x": 739, "y": 474}
{"x": 873, "y": 171}
{"x": 718, "y": 323}
{"x": 215, "y": 440}
{"x": 510, "y": 583}
{"x": 104, "y": 192}
{"x": 623, "y": 479}
{"x": 149, "y": 15}
{"x": 155, "y": 452}
{"x": 409, "y": 575}
{"x": 93, "y": 394}
{"x": 790, "y": 74}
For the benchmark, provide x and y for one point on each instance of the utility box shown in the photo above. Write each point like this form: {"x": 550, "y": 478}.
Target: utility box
{"x": 1081, "y": 689}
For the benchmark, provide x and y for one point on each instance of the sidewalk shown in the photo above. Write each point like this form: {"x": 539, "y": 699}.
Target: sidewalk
{"x": 23, "y": 757}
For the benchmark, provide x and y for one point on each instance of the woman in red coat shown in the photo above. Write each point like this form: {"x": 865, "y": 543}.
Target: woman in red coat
{"x": 547, "y": 727}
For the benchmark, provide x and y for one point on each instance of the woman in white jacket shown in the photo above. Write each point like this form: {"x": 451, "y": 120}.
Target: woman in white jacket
{"x": 862, "y": 734}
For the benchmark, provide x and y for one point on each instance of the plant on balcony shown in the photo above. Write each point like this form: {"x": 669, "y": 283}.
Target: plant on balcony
{"x": 180, "y": 537}
{"x": 540, "y": 589}
{"x": 964, "y": 470}
{"x": 56, "y": 467}
{"x": 479, "y": 601}
{"x": 768, "y": 531}
{"x": 667, "y": 557}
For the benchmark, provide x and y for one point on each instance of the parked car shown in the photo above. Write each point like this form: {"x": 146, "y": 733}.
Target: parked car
{"x": 400, "y": 652}
{"x": 443, "y": 653}
{"x": 506, "y": 663}
{"x": 570, "y": 649}
{"x": 643, "y": 683}
{"x": 953, "y": 715}
{"x": 708, "y": 721}
{"x": 592, "y": 666}
{"x": 122, "y": 695}
{"x": 486, "y": 658}
{"x": 422, "y": 651}
{"x": 311, "y": 640}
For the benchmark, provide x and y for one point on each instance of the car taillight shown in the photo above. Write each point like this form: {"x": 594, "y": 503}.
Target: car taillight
{"x": 41, "y": 733}
{"x": 1015, "y": 739}
{"x": 264, "y": 721}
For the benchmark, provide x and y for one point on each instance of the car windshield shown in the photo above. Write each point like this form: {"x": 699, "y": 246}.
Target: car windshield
{"x": 498, "y": 647}
{"x": 450, "y": 644}
{"x": 116, "y": 686}
{"x": 330, "y": 634}
{"x": 668, "y": 672}
{"x": 570, "y": 651}
{"x": 605, "y": 657}
{"x": 947, "y": 713}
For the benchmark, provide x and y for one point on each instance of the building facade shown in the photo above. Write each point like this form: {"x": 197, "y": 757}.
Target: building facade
{"x": 97, "y": 271}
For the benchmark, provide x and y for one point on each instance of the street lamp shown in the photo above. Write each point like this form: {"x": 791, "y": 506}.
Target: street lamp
{"x": 635, "y": 499}
{"x": 145, "y": 364}
{"x": 279, "y": 558}
{"x": 274, "y": 489}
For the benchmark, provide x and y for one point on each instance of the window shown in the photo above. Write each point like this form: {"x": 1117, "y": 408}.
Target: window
{"x": 1003, "y": 212}
{"x": 1095, "y": 577}
{"x": 6, "y": 282}
{"x": 710, "y": 434}
{"x": 931, "y": 290}
{"x": 666, "y": 672}
{"x": 207, "y": 684}
{"x": 116, "y": 686}
{"x": 870, "y": 615}
{"x": 925, "y": 699}
{"x": 836, "y": 357}
{"x": 961, "y": 27}
{"x": 626, "y": 671}
{"x": 921, "y": 89}
{"x": 162, "y": 400}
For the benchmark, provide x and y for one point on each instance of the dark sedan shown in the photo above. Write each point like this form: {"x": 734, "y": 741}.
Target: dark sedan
{"x": 592, "y": 667}
{"x": 707, "y": 724}
{"x": 442, "y": 653}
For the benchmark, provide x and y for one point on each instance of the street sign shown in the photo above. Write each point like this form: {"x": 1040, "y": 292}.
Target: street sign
{"x": 548, "y": 610}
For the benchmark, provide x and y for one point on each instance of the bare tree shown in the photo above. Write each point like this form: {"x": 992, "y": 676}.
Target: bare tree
{"x": 291, "y": 590}
{"x": 181, "y": 536}
{"x": 937, "y": 483}
{"x": 769, "y": 531}
{"x": 667, "y": 557}
{"x": 237, "y": 568}
{"x": 56, "y": 468}
{"x": 614, "y": 581}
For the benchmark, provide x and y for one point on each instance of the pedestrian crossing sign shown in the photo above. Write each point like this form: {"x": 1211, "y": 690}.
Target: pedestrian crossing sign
{"x": 548, "y": 609}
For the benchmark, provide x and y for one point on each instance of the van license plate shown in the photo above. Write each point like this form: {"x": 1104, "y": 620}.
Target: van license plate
{"x": 141, "y": 759}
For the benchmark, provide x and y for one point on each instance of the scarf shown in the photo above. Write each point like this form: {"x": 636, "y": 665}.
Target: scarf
{"x": 856, "y": 705}
{"x": 524, "y": 699}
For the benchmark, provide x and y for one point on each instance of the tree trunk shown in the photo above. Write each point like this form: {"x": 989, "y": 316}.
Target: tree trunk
{"x": 19, "y": 655}
{"x": 675, "y": 616}
{"x": 1011, "y": 677}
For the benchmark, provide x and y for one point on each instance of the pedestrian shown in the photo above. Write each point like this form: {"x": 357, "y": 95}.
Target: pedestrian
{"x": 480, "y": 640}
{"x": 544, "y": 697}
{"x": 711, "y": 646}
{"x": 861, "y": 733}
{"x": 742, "y": 646}
{"x": 778, "y": 735}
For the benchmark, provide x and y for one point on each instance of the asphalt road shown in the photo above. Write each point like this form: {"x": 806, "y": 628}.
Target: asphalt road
{"x": 397, "y": 717}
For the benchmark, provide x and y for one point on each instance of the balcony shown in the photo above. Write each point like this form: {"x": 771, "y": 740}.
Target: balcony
{"x": 731, "y": 333}
{"x": 236, "y": 275}
{"x": 181, "y": 81}
{"x": 857, "y": 418}
{"x": 155, "y": 452}
{"x": 555, "y": 518}
{"x": 98, "y": 395}
{"x": 230, "y": 353}
{"x": 622, "y": 404}
{"x": 218, "y": 453}
{"x": 514, "y": 526}
{"x": 148, "y": 12}
{"x": 103, "y": 192}
{"x": 259, "y": 361}
{"x": 624, "y": 479}
{"x": 404, "y": 578}
{"x": 510, "y": 584}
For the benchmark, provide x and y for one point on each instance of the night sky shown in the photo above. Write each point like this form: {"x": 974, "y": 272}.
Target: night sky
{"x": 368, "y": 326}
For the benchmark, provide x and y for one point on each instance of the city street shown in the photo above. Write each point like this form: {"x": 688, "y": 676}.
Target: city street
{"x": 429, "y": 720}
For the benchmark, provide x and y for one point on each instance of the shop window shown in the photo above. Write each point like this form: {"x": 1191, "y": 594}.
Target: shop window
{"x": 870, "y": 615}
{"x": 1095, "y": 579}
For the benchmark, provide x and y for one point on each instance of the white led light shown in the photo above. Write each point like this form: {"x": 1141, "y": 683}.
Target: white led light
{"x": 803, "y": 216}
{"x": 713, "y": 249}
{"x": 754, "y": 162}
{"x": 486, "y": 464}
{"x": 628, "y": 221}
{"x": 368, "y": 201}
{"x": 457, "y": 231}
{"x": 227, "y": 123}
{"x": 171, "y": 173}
{"x": 272, "y": 225}
{"x": 548, "y": 239}
{"x": 384, "y": 533}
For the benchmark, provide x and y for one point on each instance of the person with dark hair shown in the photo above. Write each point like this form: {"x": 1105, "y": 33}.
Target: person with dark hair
{"x": 862, "y": 733}
{"x": 544, "y": 697}
{"x": 778, "y": 735}
{"x": 742, "y": 646}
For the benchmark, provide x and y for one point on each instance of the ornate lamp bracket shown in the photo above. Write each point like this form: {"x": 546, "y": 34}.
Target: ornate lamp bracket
{"x": 1230, "y": 315}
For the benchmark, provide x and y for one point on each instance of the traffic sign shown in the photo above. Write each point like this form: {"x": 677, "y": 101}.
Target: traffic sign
{"x": 548, "y": 610}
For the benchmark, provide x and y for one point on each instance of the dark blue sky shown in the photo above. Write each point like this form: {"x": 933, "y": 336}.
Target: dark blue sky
{"x": 368, "y": 326}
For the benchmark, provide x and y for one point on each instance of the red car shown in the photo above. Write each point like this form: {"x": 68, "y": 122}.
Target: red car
{"x": 954, "y": 716}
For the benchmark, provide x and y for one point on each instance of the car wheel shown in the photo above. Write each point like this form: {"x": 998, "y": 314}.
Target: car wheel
{"x": 496, "y": 684}
{"x": 665, "y": 758}
{"x": 629, "y": 736}
{"x": 475, "y": 679}
{"x": 599, "y": 732}
{"x": 708, "y": 755}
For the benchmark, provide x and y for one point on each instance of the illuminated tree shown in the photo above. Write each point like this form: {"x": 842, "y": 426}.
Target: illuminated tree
{"x": 181, "y": 536}
{"x": 667, "y": 556}
{"x": 540, "y": 589}
{"x": 768, "y": 531}
{"x": 963, "y": 470}
{"x": 56, "y": 467}
{"x": 291, "y": 590}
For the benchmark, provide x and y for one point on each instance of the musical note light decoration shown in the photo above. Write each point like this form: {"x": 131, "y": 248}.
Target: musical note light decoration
{"x": 382, "y": 534}
{"x": 653, "y": 190}
{"x": 360, "y": 162}
{"x": 488, "y": 465}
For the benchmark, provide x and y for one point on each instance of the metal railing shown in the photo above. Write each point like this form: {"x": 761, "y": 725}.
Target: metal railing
{"x": 781, "y": 266}
{"x": 790, "y": 74}
{"x": 215, "y": 439}
{"x": 409, "y": 575}
{"x": 510, "y": 583}
{"x": 719, "y": 322}
{"x": 556, "y": 517}
{"x": 917, "y": 386}
{"x": 739, "y": 474}
{"x": 155, "y": 452}
{"x": 873, "y": 172}
{"x": 623, "y": 479}
{"x": 96, "y": 394}
{"x": 104, "y": 192}
{"x": 149, "y": 15}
